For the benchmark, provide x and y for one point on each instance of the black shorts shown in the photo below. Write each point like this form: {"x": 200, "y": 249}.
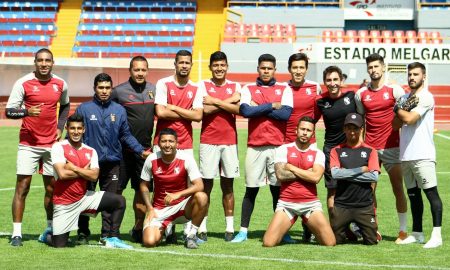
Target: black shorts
{"x": 130, "y": 168}
{"x": 329, "y": 181}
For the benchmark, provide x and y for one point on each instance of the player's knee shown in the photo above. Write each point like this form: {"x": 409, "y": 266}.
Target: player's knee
{"x": 269, "y": 241}
{"x": 201, "y": 198}
{"x": 329, "y": 241}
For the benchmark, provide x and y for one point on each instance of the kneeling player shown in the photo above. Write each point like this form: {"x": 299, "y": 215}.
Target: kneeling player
{"x": 175, "y": 200}
{"x": 299, "y": 167}
{"x": 75, "y": 164}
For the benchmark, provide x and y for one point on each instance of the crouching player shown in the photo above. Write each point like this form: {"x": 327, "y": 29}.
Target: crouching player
{"x": 75, "y": 164}
{"x": 175, "y": 200}
{"x": 299, "y": 167}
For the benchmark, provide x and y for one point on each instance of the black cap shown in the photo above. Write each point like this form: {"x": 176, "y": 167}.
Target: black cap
{"x": 355, "y": 119}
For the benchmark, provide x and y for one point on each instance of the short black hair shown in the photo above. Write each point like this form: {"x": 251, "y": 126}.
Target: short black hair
{"x": 414, "y": 65}
{"x": 167, "y": 131}
{"x": 332, "y": 69}
{"x": 102, "y": 77}
{"x": 183, "y": 53}
{"x": 298, "y": 57}
{"x": 138, "y": 58}
{"x": 217, "y": 56}
{"x": 308, "y": 119}
{"x": 75, "y": 118}
{"x": 374, "y": 57}
{"x": 267, "y": 58}
{"x": 42, "y": 50}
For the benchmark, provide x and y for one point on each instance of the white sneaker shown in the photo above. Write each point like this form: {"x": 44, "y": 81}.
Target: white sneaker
{"x": 433, "y": 243}
{"x": 415, "y": 237}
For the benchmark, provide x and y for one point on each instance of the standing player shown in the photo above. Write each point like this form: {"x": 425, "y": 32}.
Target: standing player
{"x": 137, "y": 97}
{"x": 76, "y": 164}
{"x": 178, "y": 195}
{"x": 418, "y": 155}
{"x": 299, "y": 167}
{"x": 35, "y": 98}
{"x": 106, "y": 129}
{"x": 375, "y": 102}
{"x": 268, "y": 105}
{"x": 334, "y": 105}
{"x": 304, "y": 92}
{"x": 354, "y": 165}
{"x": 178, "y": 103}
{"x": 218, "y": 139}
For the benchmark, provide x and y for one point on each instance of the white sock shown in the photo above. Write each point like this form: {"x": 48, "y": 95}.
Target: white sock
{"x": 49, "y": 223}
{"x": 436, "y": 233}
{"x": 187, "y": 227}
{"x": 243, "y": 229}
{"x": 202, "y": 227}
{"x": 168, "y": 230}
{"x": 17, "y": 229}
{"x": 229, "y": 221}
{"x": 192, "y": 231}
{"x": 403, "y": 220}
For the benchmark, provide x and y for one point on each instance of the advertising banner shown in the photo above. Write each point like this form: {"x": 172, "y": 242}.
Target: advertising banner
{"x": 379, "y": 9}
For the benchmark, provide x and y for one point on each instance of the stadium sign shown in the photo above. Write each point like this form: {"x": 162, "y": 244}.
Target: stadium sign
{"x": 379, "y": 9}
{"x": 357, "y": 52}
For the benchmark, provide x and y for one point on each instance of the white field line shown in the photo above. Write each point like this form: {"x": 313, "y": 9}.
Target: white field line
{"x": 443, "y": 136}
{"x": 282, "y": 260}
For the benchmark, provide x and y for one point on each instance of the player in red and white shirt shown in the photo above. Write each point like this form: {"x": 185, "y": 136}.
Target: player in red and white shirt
{"x": 304, "y": 92}
{"x": 268, "y": 105}
{"x": 75, "y": 165}
{"x": 179, "y": 102}
{"x": 177, "y": 191}
{"x": 34, "y": 99}
{"x": 299, "y": 167}
{"x": 376, "y": 102}
{"x": 218, "y": 139}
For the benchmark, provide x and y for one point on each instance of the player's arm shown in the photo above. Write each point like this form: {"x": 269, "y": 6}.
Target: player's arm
{"x": 90, "y": 174}
{"x": 164, "y": 113}
{"x": 15, "y": 108}
{"x": 358, "y": 102}
{"x": 282, "y": 110}
{"x": 283, "y": 174}
{"x": 409, "y": 118}
{"x": 127, "y": 138}
{"x": 213, "y": 105}
{"x": 312, "y": 176}
{"x": 64, "y": 108}
{"x": 359, "y": 174}
{"x": 187, "y": 114}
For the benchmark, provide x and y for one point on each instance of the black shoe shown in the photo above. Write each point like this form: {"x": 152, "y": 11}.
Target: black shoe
{"x": 228, "y": 236}
{"x": 171, "y": 238}
{"x": 16, "y": 241}
{"x": 203, "y": 236}
{"x": 306, "y": 236}
{"x": 136, "y": 236}
{"x": 82, "y": 239}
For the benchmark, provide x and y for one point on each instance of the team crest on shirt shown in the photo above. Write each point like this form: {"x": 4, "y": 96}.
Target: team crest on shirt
{"x": 177, "y": 170}
{"x": 93, "y": 117}
{"x": 327, "y": 105}
{"x": 113, "y": 117}
{"x": 308, "y": 91}
{"x": 88, "y": 156}
{"x": 150, "y": 94}
{"x": 190, "y": 94}
{"x": 131, "y": 97}
{"x": 344, "y": 154}
{"x": 278, "y": 92}
{"x": 385, "y": 95}
{"x": 172, "y": 92}
{"x": 364, "y": 154}
{"x": 310, "y": 158}
{"x": 294, "y": 155}
{"x": 71, "y": 153}
{"x": 346, "y": 101}
{"x": 158, "y": 170}
{"x": 229, "y": 91}
{"x": 55, "y": 88}
{"x": 368, "y": 98}
{"x": 35, "y": 89}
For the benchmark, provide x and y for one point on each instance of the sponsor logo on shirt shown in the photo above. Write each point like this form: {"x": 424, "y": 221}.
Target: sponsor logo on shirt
{"x": 35, "y": 89}
{"x": 372, "y": 220}
{"x": 158, "y": 171}
{"x": 257, "y": 91}
{"x": 71, "y": 153}
{"x": 93, "y": 117}
{"x": 172, "y": 92}
{"x": 368, "y": 98}
{"x": 346, "y": 101}
{"x": 177, "y": 170}
{"x": 327, "y": 105}
{"x": 364, "y": 154}
{"x": 114, "y": 177}
{"x": 308, "y": 91}
{"x": 293, "y": 155}
{"x": 190, "y": 94}
{"x": 385, "y": 95}
{"x": 212, "y": 90}
{"x": 310, "y": 158}
{"x": 344, "y": 154}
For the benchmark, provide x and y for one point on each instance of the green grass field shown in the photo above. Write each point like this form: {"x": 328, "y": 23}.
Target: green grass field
{"x": 217, "y": 254}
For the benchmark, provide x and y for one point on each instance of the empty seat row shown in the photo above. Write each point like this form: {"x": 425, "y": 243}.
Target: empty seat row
{"x": 259, "y": 33}
{"x": 34, "y": 43}
{"x": 385, "y": 36}
{"x": 136, "y": 27}
{"x": 93, "y": 43}
{"x": 133, "y": 32}
{"x": 123, "y": 55}
{"x": 133, "y": 38}
{"x": 140, "y": 21}
{"x": 141, "y": 8}
{"x": 170, "y": 3}
{"x": 137, "y": 15}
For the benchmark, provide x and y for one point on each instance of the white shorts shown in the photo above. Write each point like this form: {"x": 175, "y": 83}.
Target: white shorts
{"x": 303, "y": 210}
{"x": 187, "y": 151}
{"x": 419, "y": 173}
{"x": 389, "y": 157}
{"x": 65, "y": 216}
{"x": 169, "y": 215}
{"x": 213, "y": 157}
{"x": 260, "y": 166}
{"x": 29, "y": 158}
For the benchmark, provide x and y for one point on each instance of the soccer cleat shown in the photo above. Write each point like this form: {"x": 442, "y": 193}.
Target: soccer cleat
{"x": 434, "y": 242}
{"x": 43, "y": 237}
{"x": 287, "y": 239}
{"x": 379, "y": 236}
{"x": 306, "y": 235}
{"x": 191, "y": 242}
{"x": 203, "y": 236}
{"x": 136, "y": 235}
{"x": 171, "y": 238}
{"x": 415, "y": 237}
{"x": 228, "y": 236}
{"x": 82, "y": 239}
{"x": 114, "y": 242}
{"x": 240, "y": 237}
{"x": 16, "y": 241}
{"x": 401, "y": 236}
{"x": 102, "y": 240}
{"x": 356, "y": 230}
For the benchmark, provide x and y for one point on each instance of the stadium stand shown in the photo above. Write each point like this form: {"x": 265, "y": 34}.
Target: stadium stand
{"x": 259, "y": 33}
{"x": 26, "y": 26}
{"x": 120, "y": 29}
{"x": 385, "y": 36}
{"x": 285, "y": 3}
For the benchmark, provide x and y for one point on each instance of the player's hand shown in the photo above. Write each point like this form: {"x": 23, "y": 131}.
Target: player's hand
{"x": 58, "y": 135}
{"x": 170, "y": 197}
{"x": 365, "y": 169}
{"x": 209, "y": 100}
{"x": 149, "y": 215}
{"x": 252, "y": 103}
{"x": 35, "y": 110}
{"x": 170, "y": 107}
{"x": 410, "y": 103}
{"x": 146, "y": 153}
{"x": 276, "y": 105}
{"x": 69, "y": 166}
